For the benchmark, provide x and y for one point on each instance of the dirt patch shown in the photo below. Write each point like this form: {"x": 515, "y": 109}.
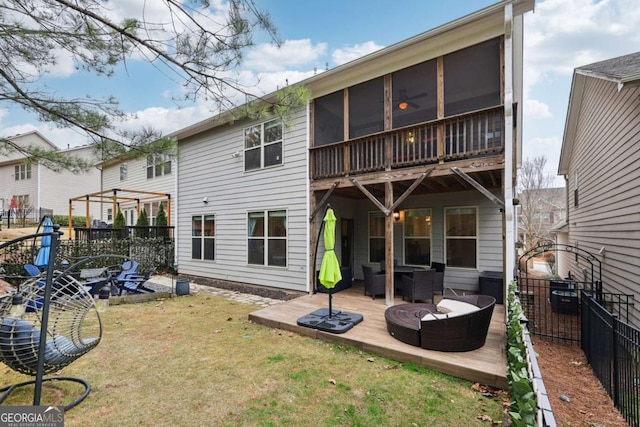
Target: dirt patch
{"x": 566, "y": 374}
{"x": 14, "y": 233}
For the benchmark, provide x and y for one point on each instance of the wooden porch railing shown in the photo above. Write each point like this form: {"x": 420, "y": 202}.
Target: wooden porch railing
{"x": 470, "y": 135}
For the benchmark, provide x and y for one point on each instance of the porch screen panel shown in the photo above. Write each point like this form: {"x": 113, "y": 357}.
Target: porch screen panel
{"x": 472, "y": 78}
{"x": 415, "y": 91}
{"x": 417, "y": 237}
{"x": 328, "y": 119}
{"x": 366, "y": 108}
{"x": 461, "y": 228}
{"x": 376, "y": 236}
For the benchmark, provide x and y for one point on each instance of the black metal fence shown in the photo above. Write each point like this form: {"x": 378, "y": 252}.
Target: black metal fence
{"x": 12, "y": 218}
{"x": 552, "y": 308}
{"x": 612, "y": 348}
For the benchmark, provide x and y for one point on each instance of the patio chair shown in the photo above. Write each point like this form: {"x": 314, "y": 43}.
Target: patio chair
{"x": 374, "y": 284}
{"x": 74, "y": 328}
{"x": 419, "y": 286}
{"x": 134, "y": 283}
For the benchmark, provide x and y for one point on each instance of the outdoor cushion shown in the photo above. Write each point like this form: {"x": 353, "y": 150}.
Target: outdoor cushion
{"x": 453, "y": 306}
{"x": 435, "y": 316}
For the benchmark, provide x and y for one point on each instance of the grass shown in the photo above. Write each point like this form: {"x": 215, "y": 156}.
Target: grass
{"x": 198, "y": 361}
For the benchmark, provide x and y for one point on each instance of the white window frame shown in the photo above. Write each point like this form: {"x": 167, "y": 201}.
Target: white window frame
{"x": 369, "y": 236}
{"x": 158, "y": 165}
{"x": 476, "y": 237}
{"x": 429, "y": 237}
{"x": 123, "y": 172}
{"x": 22, "y": 172}
{"x": 265, "y": 238}
{"x": 261, "y": 145}
{"x": 204, "y": 239}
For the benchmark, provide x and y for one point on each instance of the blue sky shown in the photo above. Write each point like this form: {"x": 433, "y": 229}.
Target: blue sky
{"x": 559, "y": 36}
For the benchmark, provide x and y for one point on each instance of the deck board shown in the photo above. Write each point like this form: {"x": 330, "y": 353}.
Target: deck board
{"x": 486, "y": 365}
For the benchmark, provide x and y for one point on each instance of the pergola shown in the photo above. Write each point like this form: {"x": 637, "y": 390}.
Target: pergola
{"x": 115, "y": 196}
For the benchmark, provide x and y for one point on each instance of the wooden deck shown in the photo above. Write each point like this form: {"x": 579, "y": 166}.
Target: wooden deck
{"x": 486, "y": 365}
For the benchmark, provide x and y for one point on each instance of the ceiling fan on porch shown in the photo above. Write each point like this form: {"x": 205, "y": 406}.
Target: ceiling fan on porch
{"x": 404, "y": 101}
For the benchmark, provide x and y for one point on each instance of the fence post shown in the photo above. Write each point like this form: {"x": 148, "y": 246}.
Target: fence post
{"x": 616, "y": 367}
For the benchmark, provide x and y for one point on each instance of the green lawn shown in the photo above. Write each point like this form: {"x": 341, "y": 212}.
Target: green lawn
{"x": 198, "y": 361}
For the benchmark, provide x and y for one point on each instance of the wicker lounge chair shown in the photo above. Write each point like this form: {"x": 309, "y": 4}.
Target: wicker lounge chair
{"x": 423, "y": 326}
{"x": 374, "y": 284}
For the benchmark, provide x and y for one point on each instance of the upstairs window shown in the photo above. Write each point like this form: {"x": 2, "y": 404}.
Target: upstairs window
{"x": 158, "y": 165}
{"x": 22, "y": 172}
{"x": 263, "y": 145}
{"x": 123, "y": 172}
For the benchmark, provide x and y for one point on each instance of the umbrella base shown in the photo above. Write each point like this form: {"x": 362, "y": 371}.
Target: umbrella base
{"x": 338, "y": 323}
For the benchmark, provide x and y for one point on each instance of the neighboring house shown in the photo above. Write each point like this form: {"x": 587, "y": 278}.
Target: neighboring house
{"x": 413, "y": 146}
{"x": 599, "y": 160}
{"x": 144, "y": 175}
{"x": 41, "y": 186}
{"x": 538, "y": 212}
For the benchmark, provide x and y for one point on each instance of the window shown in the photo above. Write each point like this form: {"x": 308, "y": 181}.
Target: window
{"x": 263, "y": 145}
{"x": 415, "y": 91}
{"x": 366, "y": 108}
{"x": 22, "y": 172}
{"x": 328, "y": 124}
{"x": 268, "y": 248}
{"x": 417, "y": 237}
{"x": 461, "y": 237}
{"x": 109, "y": 214}
{"x": 158, "y": 165}
{"x": 203, "y": 237}
{"x": 376, "y": 236}
{"x": 472, "y": 78}
{"x": 152, "y": 210}
{"x": 123, "y": 172}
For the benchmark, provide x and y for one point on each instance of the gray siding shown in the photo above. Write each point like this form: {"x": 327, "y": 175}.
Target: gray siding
{"x": 489, "y": 239}
{"x": 606, "y": 159}
{"x": 208, "y": 169}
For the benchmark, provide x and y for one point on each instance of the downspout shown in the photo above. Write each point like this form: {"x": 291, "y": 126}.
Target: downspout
{"x": 509, "y": 240}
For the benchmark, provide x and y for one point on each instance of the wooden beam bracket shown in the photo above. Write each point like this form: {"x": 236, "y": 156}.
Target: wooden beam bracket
{"x": 478, "y": 187}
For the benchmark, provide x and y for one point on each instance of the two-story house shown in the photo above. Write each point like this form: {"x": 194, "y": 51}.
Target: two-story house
{"x": 37, "y": 186}
{"x": 415, "y": 147}
{"x": 599, "y": 160}
{"x": 151, "y": 181}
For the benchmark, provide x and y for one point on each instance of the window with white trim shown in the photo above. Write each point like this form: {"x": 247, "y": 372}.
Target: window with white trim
{"x": 417, "y": 236}
{"x": 124, "y": 171}
{"x": 376, "y": 236}
{"x": 263, "y": 145}
{"x": 461, "y": 237}
{"x": 109, "y": 214}
{"x": 203, "y": 237}
{"x": 267, "y": 238}
{"x": 22, "y": 172}
{"x": 158, "y": 165}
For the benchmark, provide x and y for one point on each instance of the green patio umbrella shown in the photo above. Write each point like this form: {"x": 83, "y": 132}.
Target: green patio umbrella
{"x": 330, "y": 268}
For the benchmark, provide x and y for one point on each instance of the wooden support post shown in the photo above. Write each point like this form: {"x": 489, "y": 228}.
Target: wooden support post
{"x": 169, "y": 210}
{"x": 313, "y": 230}
{"x": 86, "y": 218}
{"x": 388, "y": 243}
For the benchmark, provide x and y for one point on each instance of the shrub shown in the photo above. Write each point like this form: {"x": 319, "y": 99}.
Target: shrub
{"x": 161, "y": 217}
{"x": 119, "y": 221}
{"x": 63, "y": 220}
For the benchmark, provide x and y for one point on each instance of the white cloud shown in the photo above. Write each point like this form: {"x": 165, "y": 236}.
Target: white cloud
{"x": 534, "y": 109}
{"x": 564, "y": 34}
{"x": 344, "y": 55}
{"x": 292, "y": 53}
